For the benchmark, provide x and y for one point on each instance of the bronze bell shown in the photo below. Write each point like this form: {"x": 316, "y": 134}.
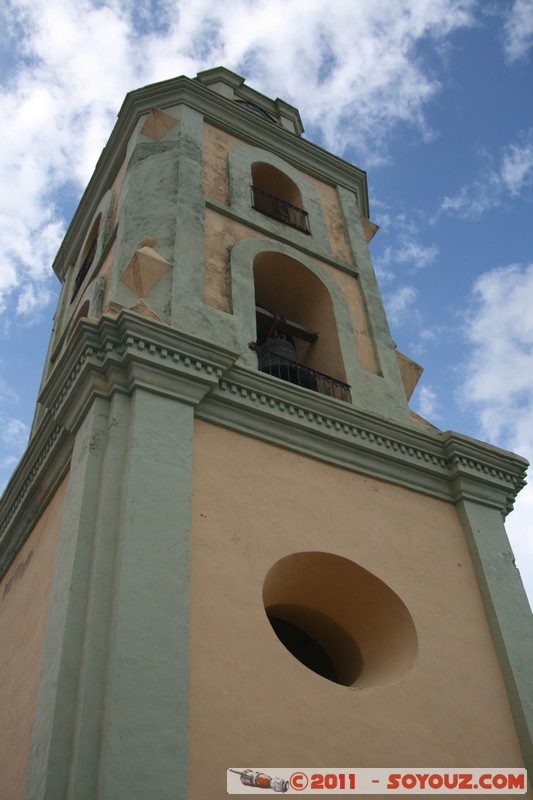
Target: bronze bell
{"x": 276, "y": 353}
{"x": 278, "y": 358}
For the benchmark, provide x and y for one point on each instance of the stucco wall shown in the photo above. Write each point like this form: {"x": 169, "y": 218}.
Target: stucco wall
{"x": 24, "y": 595}
{"x": 221, "y": 233}
{"x": 254, "y": 704}
{"x": 351, "y": 290}
{"x": 334, "y": 221}
{"x": 216, "y": 147}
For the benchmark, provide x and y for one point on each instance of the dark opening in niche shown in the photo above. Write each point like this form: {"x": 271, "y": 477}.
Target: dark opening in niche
{"x": 339, "y": 620}
{"x": 303, "y": 647}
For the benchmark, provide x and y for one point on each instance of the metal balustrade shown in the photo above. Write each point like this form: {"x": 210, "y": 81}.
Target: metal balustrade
{"x": 293, "y": 371}
{"x": 279, "y": 209}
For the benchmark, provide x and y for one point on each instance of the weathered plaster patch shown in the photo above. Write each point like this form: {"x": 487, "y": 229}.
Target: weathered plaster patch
{"x": 221, "y": 234}
{"x": 217, "y": 144}
{"x": 145, "y": 269}
{"x": 21, "y": 568}
{"x": 157, "y": 124}
{"x": 334, "y": 220}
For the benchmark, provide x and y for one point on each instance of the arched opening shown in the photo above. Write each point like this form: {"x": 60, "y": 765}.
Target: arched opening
{"x": 87, "y": 258}
{"x": 339, "y": 620}
{"x": 297, "y": 338}
{"x": 277, "y": 196}
{"x": 83, "y": 312}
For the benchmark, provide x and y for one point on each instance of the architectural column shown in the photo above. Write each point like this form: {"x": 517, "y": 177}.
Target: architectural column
{"x": 118, "y": 646}
{"x": 507, "y": 610}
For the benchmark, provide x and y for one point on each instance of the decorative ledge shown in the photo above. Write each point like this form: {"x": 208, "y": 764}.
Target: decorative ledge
{"x": 120, "y": 354}
{"x": 446, "y": 465}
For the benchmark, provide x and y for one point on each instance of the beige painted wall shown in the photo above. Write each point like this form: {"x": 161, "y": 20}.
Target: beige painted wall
{"x": 24, "y": 595}
{"x": 334, "y": 220}
{"x": 351, "y": 290}
{"x": 217, "y": 145}
{"x": 221, "y": 233}
{"x": 253, "y": 704}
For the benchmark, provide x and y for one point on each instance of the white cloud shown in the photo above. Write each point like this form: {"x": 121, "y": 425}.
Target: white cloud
{"x": 7, "y": 394}
{"x": 14, "y": 432}
{"x": 410, "y": 252}
{"x": 511, "y": 177}
{"x": 499, "y": 377}
{"x": 399, "y": 249}
{"x": 516, "y": 169}
{"x": 354, "y": 73}
{"x": 499, "y": 381}
{"x": 427, "y": 404}
{"x": 518, "y": 30}
{"x": 400, "y": 303}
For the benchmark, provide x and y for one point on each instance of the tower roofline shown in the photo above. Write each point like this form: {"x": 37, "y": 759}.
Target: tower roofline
{"x": 213, "y": 94}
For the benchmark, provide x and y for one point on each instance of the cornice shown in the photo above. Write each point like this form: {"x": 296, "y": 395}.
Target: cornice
{"x": 222, "y": 113}
{"x": 32, "y": 485}
{"x": 113, "y": 354}
{"x": 127, "y": 352}
{"x": 120, "y": 353}
{"x": 482, "y": 472}
{"x": 238, "y": 121}
{"x": 445, "y": 465}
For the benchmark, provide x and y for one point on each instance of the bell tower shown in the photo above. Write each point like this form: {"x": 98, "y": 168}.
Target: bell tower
{"x": 230, "y": 541}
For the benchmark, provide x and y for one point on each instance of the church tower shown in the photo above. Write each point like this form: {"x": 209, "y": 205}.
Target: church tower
{"x": 230, "y": 542}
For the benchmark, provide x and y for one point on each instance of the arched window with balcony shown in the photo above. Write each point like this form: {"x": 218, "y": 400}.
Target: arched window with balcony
{"x": 297, "y": 337}
{"x": 277, "y": 196}
{"x": 88, "y": 255}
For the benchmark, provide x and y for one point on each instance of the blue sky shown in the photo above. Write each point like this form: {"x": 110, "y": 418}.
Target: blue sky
{"x": 434, "y": 98}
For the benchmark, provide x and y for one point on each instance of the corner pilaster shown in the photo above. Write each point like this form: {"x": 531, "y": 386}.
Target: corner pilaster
{"x": 112, "y": 705}
{"x": 484, "y": 489}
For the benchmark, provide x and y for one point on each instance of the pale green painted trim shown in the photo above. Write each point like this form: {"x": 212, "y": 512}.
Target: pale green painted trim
{"x": 111, "y": 712}
{"x": 369, "y": 392}
{"x": 189, "y": 256}
{"x": 54, "y": 727}
{"x": 62, "y": 337}
{"x": 66, "y": 309}
{"x": 108, "y": 356}
{"x": 507, "y": 610}
{"x": 148, "y": 695}
{"x": 105, "y": 209}
{"x": 240, "y": 161}
{"x": 129, "y": 351}
{"x": 320, "y": 427}
{"x": 173, "y": 373}
{"x": 147, "y": 207}
{"x": 219, "y": 111}
{"x": 378, "y": 326}
{"x": 220, "y": 80}
{"x": 242, "y": 258}
{"x": 231, "y": 85}
{"x": 88, "y": 758}
{"x": 283, "y": 235}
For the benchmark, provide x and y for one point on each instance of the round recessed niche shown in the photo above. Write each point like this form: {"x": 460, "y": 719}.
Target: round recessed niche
{"x": 340, "y": 620}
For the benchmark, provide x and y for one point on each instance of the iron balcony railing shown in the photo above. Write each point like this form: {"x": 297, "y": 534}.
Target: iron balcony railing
{"x": 279, "y": 209}
{"x": 292, "y": 371}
